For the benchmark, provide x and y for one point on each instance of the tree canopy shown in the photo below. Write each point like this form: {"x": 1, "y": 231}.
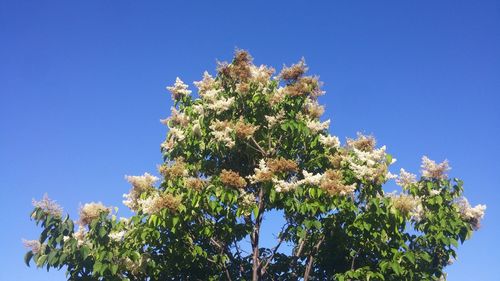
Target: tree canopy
{"x": 247, "y": 145}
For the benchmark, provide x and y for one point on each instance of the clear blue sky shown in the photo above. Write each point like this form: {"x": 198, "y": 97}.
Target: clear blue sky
{"x": 82, "y": 90}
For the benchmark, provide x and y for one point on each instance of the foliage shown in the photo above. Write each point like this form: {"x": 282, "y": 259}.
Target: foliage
{"x": 251, "y": 144}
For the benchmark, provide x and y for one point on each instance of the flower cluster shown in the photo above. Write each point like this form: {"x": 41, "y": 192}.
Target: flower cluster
{"x": 174, "y": 170}
{"x": 92, "y": 211}
{"x": 329, "y": 141}
{"x": 34, "y": 245}
{"x": 179, "y": 89}
{"x": 262, "y": 173}
{"x": 140, "y": 184}
{"x": 367, "y": 163}
{"x": 157, "y": 202}
{"x": 430, "y": 169}
{"x": 195, "y": 183}
{"x": 473, "y": 215}
{"x": 232, "y": 179}
{"x": 222, "y": 132}
{"x": 48, "y": 206}
{"x": 117, "y": 236}
{"x": 405, "y": 178}
{"x": 408, "y": 204}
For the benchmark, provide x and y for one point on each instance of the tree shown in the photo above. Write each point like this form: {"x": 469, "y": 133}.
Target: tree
{"x": 248, "y": 145}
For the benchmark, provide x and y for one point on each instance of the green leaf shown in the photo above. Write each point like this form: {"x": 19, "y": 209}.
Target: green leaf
{"x": 27, "y": 258}
{"x": 84, "y": 251}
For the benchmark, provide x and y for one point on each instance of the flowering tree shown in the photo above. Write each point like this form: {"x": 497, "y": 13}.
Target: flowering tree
{"x": 247, "y": 145}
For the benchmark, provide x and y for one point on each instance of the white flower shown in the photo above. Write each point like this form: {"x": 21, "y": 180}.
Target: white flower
{"x": 221, "y": 105}
{"x": 316, "y": 126}
{"x": 179, "y": 89}
{"x": 140, "y": 184}
{"x": 222, "y": 132}
{"x": 80, "y": 235}
{"x": 405, "y": 178}
{"x": 177, "y": 134}
{"x": 432, "y": 170}
{"x": 205, "y": 84}
{"x": 368, "y": 165}
{"x": 117, "y": 236}
{"x": 66, "y": 238}
{"x": 48, "y": 206}
{"x": 34, "y": 245}
{"x": 92, "y": 211}
{"x": 434, "y": 192}
{"x": 197, "y": 128}
{"x": 261, "y": 173}
{"x": 329, "y": 141}
{"x": 310, "y": 178}
{"x": 285, "y": 186}
{"x": 198, "y": 108}
{"x": 274, "y": 120}
{"x": 473, "y": 215}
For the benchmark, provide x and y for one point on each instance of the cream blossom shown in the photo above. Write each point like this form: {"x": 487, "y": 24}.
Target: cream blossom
{"x": 48, "y": 206}
{"x": 473, "y": 215}
{"x": 117, "y": 236}
{"x": 273, "y": 120}
{"x": 261, "y": 74}
{"x": 313, "y": 108}
{"x": 310, "y": 178}
{"x": 405, "y": 178}
{"x": 261, "y": 173}
{"x": 177, "y": 134}
{"x": 221, "y": 105}
{"x": 285, "y": 186}
{"x": 156, "y": 202}
{"x": 222, "y": 132}
{"x": 34, "y": 245}
{"x": 434, "y": 192}
{"x": 329, "y": 141}
{"x": 316, "y": 126}
{"x": 80, "y": 235}
{"x": 196, "y": 128}
{"x": 368, "y": 165}
{"x": 407, "y": 204}
{"x": 140, "y": 184}
{"x": 430, "y": 169}
{"x": 92, "y": 211}
{"x": 179, "y": 89}
{"x": 206, "y": 83}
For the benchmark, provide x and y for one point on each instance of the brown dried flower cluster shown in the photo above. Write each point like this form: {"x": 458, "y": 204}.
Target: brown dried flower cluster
{"x": 156, "y": 203}
{"x": 233, "y": 179}
{"x": 178, "y": 169}
{"x": 363, "y": 142}
{"x": 313, "y": 109}
{"x": 92, "y": 211}
{"x": 333, "y": 184}
{"x": 281, "y": 165}
{"x": 336, "y": 159}
{"x": 304, "y": 86}
{"x": 195, "y": 183}
{"x": 239, "y": 68}
{"x": 244, "y": 130}
{"x": 293, "y": 72}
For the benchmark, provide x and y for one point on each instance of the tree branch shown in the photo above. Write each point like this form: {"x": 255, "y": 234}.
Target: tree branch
{"x": 255, "y": 238}
{"x": 310, "y": 259}
{"x": 283, "y": 234}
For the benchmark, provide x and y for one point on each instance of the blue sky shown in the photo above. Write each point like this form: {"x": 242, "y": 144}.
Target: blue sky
{"x": 82, "y": 90}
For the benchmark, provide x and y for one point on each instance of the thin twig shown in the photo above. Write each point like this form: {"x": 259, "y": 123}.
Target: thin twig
{"x": 283, "y": 234}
